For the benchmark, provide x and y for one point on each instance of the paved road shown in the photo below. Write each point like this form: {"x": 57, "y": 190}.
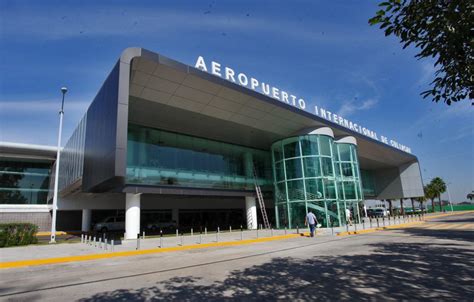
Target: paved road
{"x": 432, "y": 261}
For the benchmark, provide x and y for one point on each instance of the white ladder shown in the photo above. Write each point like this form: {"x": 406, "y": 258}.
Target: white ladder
{"x": 266, "y": 223}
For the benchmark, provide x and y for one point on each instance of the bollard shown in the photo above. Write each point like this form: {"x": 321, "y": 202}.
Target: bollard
{"x": 200, "y": 237}
{"x": 363, "y": 223}
{"x": 388, "y": 220}
{"x": 112, "y": 245}
{"x": 99, "y": 244}
{"x": 177, "y": 234}
{"x": 103, "y": 237}
{"x": 138, "y": 241}
{"x": 182, "y": 239}
{"x": 370, "y": 222}
{"x": 378, "y": 224}
{"x": 217, "y": 235}
{"x": 383, "y": 221}
{"x": 241, "y": 233}
{"x": 205, "y": 231}
{"x": 105, "y": 244}
{"x": 143, "y": 235}
{"x": 230, "y": 229}
{"x": 95, "y": 242}
{"x": 347, "y": 227}
{"x": 192, "y": 232}
{"x": 355, "y": 227}
{"x": 161, "y": 238}
{"x": 82, "y": 238}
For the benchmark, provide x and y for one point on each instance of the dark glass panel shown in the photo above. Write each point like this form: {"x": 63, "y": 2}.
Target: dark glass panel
{"x": 327, "y": 166}
{"x": 311, "y": 167}
{"x": 292, "y": 149}
{"x": 293, "y": 168}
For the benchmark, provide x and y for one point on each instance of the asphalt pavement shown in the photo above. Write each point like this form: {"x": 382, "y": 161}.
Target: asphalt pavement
{"x": 430, "y": 261}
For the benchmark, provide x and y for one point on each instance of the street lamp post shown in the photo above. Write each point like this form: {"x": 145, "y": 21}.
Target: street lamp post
{"x": 56, "y": 175}
{"x": 449, "y": 196}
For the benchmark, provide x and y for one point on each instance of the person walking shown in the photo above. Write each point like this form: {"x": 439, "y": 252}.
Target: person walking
{"x": 311, "y": 221}
{"x": 348, "y": 217}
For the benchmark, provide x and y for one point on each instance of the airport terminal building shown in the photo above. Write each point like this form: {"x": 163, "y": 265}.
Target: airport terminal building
{"x": 170, "y": 142}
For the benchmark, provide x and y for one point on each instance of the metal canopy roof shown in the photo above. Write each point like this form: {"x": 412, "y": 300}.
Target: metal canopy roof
{"x": 17, "y": 150}
{"x": 170, "y": 95}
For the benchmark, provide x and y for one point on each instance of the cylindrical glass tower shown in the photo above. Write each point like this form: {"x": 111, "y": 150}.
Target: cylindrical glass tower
{"x": 306, "y": 176}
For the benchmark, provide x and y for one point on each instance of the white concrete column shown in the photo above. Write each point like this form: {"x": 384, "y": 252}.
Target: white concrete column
{"x": 251, "y": 210}
{"x": 86, "y": 220}
{"x": 132, "y": 215}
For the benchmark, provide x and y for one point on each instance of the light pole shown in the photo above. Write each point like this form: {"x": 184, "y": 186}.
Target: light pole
{"x": 56, "y": 175}
{"x": 449, "y": 196}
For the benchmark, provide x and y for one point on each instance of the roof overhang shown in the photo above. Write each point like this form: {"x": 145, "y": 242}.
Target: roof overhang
{"x": 173, "y": 96}
{"x": 27, "y": 151}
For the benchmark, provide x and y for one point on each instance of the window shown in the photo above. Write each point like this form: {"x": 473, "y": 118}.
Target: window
{"x": 292, "y": 149}
{"x": 293, "y": 168}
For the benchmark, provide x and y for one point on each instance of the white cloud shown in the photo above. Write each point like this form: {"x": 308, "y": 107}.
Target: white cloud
{"x": 427, "y": 73}
{"x": 350, "y": 107}
{"x": 113, "y": 22}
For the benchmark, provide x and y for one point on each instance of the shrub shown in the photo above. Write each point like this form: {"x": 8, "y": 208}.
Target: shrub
{"x": 14, "y": 234}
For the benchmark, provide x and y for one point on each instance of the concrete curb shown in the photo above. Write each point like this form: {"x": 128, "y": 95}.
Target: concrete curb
{"x": 46, "y": 261}
{"x": 399, "y": 226}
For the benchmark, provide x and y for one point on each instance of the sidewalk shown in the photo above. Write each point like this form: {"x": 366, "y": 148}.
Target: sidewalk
{"x": 32, "y": 252}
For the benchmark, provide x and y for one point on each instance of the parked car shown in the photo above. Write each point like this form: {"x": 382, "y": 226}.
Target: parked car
{"x": 162, "y": 225}
{"x": 110, "y": 223}
{"x": 378, "y": 212}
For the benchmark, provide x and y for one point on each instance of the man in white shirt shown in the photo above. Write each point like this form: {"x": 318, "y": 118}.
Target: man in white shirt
{"x": 348, "y": 217}
{"x": 311, "y": 221}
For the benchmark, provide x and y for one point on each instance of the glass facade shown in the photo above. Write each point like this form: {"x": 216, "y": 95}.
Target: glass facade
{"x": 157, "y": 157}
{"x": 368, "y": 183}
{"x": 24, "y": 181}
{"x": 314, "y": 172}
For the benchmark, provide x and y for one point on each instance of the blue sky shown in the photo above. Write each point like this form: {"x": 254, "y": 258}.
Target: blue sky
{"x": 322, "y": 50}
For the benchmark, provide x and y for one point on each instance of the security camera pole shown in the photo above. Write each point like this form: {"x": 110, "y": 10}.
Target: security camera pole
{"x": 56, "y": 175}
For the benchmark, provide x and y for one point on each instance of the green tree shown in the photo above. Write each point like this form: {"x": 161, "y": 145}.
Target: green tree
{"x": 438, "y": 186}
{"x": 470, "y": 196}
{"x": 441, "y": 30}
{"x": 430, "y": 194}
{"x": 421, "y": 199}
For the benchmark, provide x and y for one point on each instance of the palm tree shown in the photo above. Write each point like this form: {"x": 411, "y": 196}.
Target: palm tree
{"x": 421, "y": 199}
{"x": 470, "y": 196}
{"x": 439, "y": 187}
{"x": 430, "y": 194}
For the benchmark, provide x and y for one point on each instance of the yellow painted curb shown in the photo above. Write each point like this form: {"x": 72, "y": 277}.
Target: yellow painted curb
{"x": 35, "y": 262}
{"x": 398, "y": 226}
{"x": 49, "y": 233}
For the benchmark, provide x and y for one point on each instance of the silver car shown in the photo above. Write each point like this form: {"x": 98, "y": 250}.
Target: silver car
{"x": 110, "y": 223}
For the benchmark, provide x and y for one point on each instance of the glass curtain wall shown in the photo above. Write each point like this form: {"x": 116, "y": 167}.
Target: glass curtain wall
{"x": 312, "y": 172}
{"x": 157, "y": 157}
{"x": 348, "y": 179}
{"x": 24, "y": 181}
{"x": 304, "y": 179}
{"x": 368, "y": 183}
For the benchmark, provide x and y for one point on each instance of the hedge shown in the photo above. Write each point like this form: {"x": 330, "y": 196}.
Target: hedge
{"x": 14, "y": 234}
